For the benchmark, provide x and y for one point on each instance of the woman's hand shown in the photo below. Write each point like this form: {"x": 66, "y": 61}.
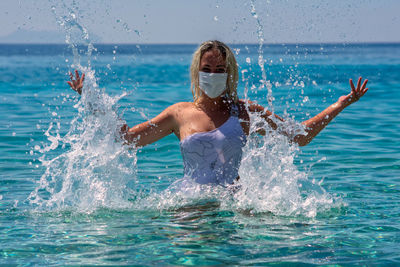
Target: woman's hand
{"x": 77, "y": 83}
{"x": 356, "y": 92}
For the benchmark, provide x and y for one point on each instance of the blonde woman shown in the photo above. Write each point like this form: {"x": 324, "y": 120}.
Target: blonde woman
{"x": 213, "y": 128}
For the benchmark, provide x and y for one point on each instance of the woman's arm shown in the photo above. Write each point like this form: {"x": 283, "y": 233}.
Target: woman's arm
{"x": 316, "y": 124}
{"x": 150, "y": 131}
{"x": 142, "y": 134}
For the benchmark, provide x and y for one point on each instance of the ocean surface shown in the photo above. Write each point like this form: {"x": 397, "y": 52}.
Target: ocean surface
{"x": 71, "y": 193}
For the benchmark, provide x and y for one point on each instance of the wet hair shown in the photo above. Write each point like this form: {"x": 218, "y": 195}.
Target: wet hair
{"x": 231, "y": 68}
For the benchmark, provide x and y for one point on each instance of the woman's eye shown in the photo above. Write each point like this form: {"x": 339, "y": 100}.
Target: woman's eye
{"x": 205, "y": 70}
{"x": 220, "y": 70}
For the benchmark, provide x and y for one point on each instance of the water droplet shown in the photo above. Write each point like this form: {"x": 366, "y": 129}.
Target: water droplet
{"x": 254, "y": 14}
{"x": 216, "y": 18}
{"x": 248, "y": 60}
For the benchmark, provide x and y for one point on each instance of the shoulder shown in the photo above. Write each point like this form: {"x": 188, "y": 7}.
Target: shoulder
{"x": 179, "y": 109}
{"x": 183, "y": 105}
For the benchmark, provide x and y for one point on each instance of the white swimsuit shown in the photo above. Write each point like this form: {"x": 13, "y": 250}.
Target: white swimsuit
{"x": 214, "y": 157}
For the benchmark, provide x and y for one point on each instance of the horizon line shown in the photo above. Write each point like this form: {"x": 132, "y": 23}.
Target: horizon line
{"x": 273, "y": 43}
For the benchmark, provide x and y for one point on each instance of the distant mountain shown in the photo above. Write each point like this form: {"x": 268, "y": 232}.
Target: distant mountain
{"x": 25, "y": 36}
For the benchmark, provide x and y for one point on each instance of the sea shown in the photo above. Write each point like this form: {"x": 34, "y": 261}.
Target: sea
{"x": 73, "y": 193}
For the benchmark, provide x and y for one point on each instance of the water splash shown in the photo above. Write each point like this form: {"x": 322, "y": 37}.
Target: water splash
{"x": 270, "y": 180}
{"x": 94, "y": 168}
{"x": 264, "y": 82}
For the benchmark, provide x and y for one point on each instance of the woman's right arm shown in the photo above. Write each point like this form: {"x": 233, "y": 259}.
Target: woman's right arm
{"x": 150, "y": 131}
{"x": 142, "y": 134}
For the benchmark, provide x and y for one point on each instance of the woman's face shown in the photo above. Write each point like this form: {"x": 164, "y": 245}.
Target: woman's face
{"x": 213, "y": 62}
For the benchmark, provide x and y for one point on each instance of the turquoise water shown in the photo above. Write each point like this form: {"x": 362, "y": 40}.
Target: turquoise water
{"x": 71, "y": 193}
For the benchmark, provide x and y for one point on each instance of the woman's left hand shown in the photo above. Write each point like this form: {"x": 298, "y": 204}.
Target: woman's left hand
{"x": 356, "y": 92}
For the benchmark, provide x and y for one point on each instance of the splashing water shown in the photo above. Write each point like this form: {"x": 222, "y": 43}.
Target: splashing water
{"x": 265, "y": 83}
{"x": 96, "y": 170}
{"x": 270, "y": 180}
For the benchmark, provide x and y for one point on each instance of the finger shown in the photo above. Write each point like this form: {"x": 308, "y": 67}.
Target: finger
{"x": 359, "y": 83}
{"x": 77, "y": 75}
{"x": 83, "y": 77}
{"x": 365, "y": 90}
{"x": 71, "y": 76}
{"x": 353, "y": 89}
{"x": 364, "y": 84}
{"x": 72, "y": 86}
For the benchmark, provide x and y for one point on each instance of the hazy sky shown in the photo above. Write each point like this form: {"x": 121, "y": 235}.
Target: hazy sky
{"x": 189, "y": 21}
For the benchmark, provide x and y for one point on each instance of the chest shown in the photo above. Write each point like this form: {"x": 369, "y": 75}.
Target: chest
{"x": 196, "y": 121}
{"x": 219, "y": 140}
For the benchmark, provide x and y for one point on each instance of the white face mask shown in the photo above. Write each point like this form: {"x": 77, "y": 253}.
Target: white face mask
{"x": 212, "y": 84}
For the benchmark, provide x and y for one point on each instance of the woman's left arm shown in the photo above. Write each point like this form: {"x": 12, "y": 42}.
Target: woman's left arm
{"x": 314, "y": 125}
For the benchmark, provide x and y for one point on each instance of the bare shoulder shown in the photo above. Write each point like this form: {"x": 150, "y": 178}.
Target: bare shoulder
{"x": 180, "y": 110}
{"x": 180, "y": 107}
{"x": 183, "y": 105}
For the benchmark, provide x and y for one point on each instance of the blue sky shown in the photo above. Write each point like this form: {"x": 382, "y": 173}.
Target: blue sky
{"x": 189, "y": 21}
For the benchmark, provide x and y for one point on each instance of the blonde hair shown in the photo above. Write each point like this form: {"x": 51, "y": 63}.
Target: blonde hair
{"x": 231, "y": 68}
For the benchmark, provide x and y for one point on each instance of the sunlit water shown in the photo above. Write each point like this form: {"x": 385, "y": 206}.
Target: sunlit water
{"x": 72, "y": 193}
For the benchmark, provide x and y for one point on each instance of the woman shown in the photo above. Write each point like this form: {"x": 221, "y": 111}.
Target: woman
{"x": 213, "y": 128}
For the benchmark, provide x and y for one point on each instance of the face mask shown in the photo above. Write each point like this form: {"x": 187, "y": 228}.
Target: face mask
{"x": 212, "y": 84}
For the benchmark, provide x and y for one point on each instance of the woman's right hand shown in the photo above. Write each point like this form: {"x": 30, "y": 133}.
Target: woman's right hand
{"x": 77, "y": 83}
